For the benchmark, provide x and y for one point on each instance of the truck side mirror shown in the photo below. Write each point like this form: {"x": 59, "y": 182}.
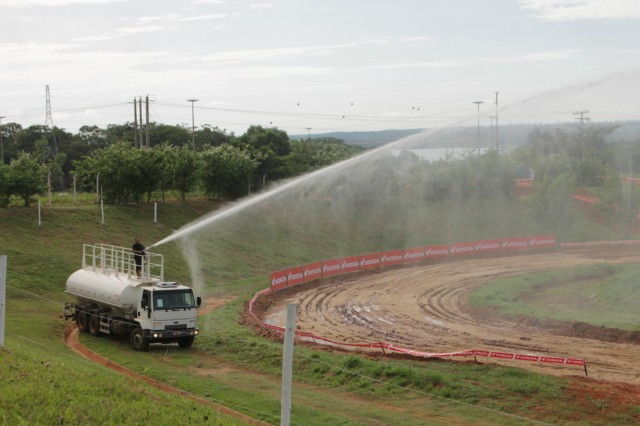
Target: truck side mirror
{"x": 143, "y": 304}
{"x": 198, "y": 301}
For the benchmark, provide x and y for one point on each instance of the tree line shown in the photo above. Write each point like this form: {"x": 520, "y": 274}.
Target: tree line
{"x": 224, "y": 165}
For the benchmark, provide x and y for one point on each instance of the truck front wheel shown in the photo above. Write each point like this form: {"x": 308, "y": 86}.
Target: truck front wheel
{"x": 82, "y": 321}
{"x": 138, "y": 341}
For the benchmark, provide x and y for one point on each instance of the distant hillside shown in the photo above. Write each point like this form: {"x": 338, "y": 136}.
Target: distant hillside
{"x": 366, "y": 139}
{"x": 509, "y": 135}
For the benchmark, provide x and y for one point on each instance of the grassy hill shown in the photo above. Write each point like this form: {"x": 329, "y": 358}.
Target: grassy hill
{"x": 231, "y": 365}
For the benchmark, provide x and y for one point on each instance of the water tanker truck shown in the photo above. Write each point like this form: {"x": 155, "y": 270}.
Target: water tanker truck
{"x": 113, "y": 298}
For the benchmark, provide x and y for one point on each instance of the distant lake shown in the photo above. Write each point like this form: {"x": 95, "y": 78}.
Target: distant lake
{"x": 435, "y": 154}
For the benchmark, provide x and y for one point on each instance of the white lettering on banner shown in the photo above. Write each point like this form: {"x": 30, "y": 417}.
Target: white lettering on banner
{"x": 391, "y": 258}
{"x": 414, "y": 255}
{"x": 329, "y": 268}
{"x": 437, "y": 252}
{"x": 461, "y": 249}
{"x": 508, "y": 244}
{"x": 278, "y": 280}
{"x": 367, "y": 262}
{"x": 540, "y": 242}
{"x": 295, "y": 275}
{"x": 487, "y": 246}
{"x": 351, "y": 264}
{"x": 313, "y": 271}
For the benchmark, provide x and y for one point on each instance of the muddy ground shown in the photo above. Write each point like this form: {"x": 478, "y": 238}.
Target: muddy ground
{"x": 425, "y": 308}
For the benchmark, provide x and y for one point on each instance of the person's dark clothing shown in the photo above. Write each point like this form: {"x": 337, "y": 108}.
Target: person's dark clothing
{"x": 138, "y": 250}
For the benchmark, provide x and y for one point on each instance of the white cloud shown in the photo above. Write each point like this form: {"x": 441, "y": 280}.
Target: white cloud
{"x": 141, "y": 29}
{"x": 547, "y": 56}
{"x": 32, "y": 3}
{"x": 208, "y": 2}
{"x": 413, "y": 39}
{"x": 260, "y": 6}
{"x": 573, "y": 10}
{"x": 207, "y": 17}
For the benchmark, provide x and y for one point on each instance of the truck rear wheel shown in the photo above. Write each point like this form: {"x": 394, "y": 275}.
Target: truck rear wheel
{"x": 94, "y": 325}
{"x": 82, "y": 321}
{"x": 186, "y": 342}
{"x": 138, "y": 341}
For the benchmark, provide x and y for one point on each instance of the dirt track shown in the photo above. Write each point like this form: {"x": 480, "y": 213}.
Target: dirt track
{"x": 424, "y": 308}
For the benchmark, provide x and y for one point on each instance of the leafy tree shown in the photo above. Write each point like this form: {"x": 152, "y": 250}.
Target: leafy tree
{"x": 119, "y": 132}
{"x": 226, "y": 171}
{"x": 93, "y": 136}
{"x": 26, "y": 177}
{"x": 5, "y": 187}
{"x": 125, "y": 173}
{"x": 268, "y": 147}
{"x": 185, "y": 167}
{"x": 211, "y": 136}
{"x": 164, "y": 134}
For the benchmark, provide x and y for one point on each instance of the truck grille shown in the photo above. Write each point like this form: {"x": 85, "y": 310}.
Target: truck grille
{"x": 175, "y": 327}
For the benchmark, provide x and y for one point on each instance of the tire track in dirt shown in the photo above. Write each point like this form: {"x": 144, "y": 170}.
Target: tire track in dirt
{"x": 425, "y": 308}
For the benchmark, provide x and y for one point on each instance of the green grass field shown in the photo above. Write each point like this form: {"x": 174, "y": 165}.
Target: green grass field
{"x": 229, "y": 364}
{"x": 603, "y": 295}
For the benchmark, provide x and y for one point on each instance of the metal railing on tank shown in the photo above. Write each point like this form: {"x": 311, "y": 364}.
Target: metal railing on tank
{"x": 108, "y": 259}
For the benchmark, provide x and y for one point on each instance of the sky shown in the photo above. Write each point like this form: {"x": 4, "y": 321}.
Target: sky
{"x": 317, "y": 66}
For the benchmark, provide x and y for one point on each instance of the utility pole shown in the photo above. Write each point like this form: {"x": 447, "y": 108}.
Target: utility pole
{"x": 497, "y": 137}
{"x": 146, "y": 126}
{"x": 49, "y": 120}
{"x": 309, "y": 132}
{"x": 140, "y": 109}
{"x": 193, "y": 124}
{"x": 1, "y": 144}
{"x": 136, "y": 142}
{"x": 582, "y": 119}
{"x": 478, "y": 135}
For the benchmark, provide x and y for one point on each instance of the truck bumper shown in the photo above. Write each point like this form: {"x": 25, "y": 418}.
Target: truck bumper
{"x": 157, "y": 335}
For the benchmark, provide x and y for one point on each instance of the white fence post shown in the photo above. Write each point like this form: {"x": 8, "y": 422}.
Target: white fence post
{"x": 287, "y": 365}
{"x": 3, "y": 294}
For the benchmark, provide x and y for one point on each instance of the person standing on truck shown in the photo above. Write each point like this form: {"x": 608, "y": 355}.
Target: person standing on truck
{"x": 138, "y": 252}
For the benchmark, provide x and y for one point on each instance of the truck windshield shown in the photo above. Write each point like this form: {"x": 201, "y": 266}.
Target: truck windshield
{"x": 173, "y": 299}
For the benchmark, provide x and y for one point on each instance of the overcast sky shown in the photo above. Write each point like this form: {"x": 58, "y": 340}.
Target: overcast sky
{"x": 318, "y": 65}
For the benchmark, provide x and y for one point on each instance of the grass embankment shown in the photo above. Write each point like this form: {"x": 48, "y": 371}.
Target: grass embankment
{"x": 229, "y": 363}
{"x": 603, "y": 295}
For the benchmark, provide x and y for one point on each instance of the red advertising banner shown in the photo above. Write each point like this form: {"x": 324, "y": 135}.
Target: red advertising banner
{"x": 332, "y": 267}
{"x": 312, "y": 271}
{"x": 393, "y": 257}
{"x": 542, "y": 241}
{"x": 515, "y": 243}
{"x": 278, "y": 279}
{"x": 350, "y": 264}
{"x": 369, "y": 261}
{"x": 552, "y": 360}
{"x": 484, "y": 246}
{"x": 416, "y": 254}
{"x": 532, "y": 358}
{"x": 461, "y": 249}
{"x": 436, "y": 252}
{"x": 295, "y": 276}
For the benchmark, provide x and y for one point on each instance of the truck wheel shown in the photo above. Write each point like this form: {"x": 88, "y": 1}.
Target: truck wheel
{"x": 138, "y": 341}
{"x": 186, "y": 342}
{"x": 94, "y": 325}
{"x": 82, "y": 321}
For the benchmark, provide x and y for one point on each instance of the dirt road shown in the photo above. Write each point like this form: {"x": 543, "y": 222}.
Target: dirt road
{"x": 425, "y": 308}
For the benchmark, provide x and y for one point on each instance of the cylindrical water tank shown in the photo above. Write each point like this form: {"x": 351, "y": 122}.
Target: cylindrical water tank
{"x": 108, "y": 289}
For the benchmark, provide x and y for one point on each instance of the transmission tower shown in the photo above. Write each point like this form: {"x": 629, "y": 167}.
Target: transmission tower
{"x": 49, "y": 121}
